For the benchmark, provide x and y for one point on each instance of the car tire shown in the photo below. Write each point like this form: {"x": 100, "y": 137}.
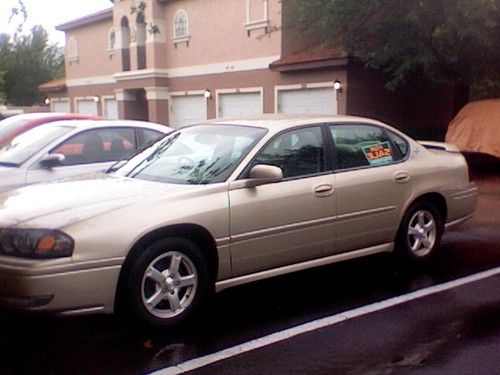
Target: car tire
{"x": 168, "y": 283}
{"x": 420, "y": 232}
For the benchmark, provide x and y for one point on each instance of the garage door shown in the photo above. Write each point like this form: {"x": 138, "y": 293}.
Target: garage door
{"x": 187, "y": 110}
{"x": 110, "y": 109}
{"x": 308, "y": 101}
{"x": 240, "y": 104}
{"x": 60, "y": 106}
{"x": 86, "y": 106}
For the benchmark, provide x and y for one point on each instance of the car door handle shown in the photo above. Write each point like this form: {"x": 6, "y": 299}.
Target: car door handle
{"x": 401, "y": 177}
{"x": 324, "y": 190}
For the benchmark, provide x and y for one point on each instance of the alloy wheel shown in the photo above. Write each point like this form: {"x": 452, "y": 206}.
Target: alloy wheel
{"x": 422, "y": 232}
{"x": 169, "y": 284}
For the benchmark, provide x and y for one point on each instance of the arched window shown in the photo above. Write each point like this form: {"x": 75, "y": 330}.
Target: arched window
{"x": 72, "y": 50}
{"x": 181, "y": 26}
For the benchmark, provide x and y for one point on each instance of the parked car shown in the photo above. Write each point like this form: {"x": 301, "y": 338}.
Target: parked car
{"x": 14, "y": 125}
{"x": 216, "y": 205}
{"x": 476, "y": 128}
{"x": 70, "y": 148}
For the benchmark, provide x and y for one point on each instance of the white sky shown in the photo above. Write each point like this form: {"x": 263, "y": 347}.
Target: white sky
{"x": 49, "y": 14}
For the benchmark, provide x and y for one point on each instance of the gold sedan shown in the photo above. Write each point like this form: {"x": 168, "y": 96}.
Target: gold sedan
{"x": 225, "y": 203}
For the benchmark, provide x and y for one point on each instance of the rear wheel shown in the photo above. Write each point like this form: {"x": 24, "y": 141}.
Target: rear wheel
{"x": 420, "y": 232}
{"x": 168, "y": 283}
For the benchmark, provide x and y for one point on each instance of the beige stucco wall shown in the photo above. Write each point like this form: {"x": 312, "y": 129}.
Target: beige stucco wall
{"x": 218, "y": 33}
{"x": 93, "y": 56}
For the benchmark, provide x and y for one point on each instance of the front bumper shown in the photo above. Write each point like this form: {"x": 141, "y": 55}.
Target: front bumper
{"x": 61, "y": 288}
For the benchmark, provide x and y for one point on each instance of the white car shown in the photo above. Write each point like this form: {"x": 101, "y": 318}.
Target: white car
{"x": 71, "y": 148}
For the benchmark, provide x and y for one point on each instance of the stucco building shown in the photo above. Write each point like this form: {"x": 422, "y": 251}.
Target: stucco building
{"x": 218, "y": 58}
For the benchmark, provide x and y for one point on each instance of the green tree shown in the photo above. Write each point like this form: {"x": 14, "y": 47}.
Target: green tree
{"x": 4, "y": 56}
{"x": 26, "y": 62}
{"x": 442, "y": 40}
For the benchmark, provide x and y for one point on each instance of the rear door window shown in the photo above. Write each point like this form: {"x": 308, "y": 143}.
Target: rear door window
{"x": 360, "y": 146}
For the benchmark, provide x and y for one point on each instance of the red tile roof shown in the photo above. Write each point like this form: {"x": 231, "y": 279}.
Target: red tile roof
{"x": 315, "y": 56}
{"x": 53, "y": 86}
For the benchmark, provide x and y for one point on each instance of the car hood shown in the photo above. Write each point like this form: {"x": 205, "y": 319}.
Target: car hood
{"x": 11, "y": 178}
{"x": 66, "y": 202}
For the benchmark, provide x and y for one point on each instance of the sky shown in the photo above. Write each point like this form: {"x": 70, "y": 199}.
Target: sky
{"x": 49, "y": 14}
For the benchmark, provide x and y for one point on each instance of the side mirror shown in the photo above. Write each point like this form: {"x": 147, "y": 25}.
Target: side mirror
{"x": 52, "y": 160}
{"x": 260, "y": 174}
{"x": 266, "y": 173}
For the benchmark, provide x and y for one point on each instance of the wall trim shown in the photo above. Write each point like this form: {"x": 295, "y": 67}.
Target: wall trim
{"x": 188, "y": 71}
{"x": 223, "y": 67}
{"x": 88, "y": 81}
{"x": 140, "y": 74}
{"x": 157, "y": 93}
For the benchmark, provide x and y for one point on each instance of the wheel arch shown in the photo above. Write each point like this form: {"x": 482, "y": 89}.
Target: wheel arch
{"x": 437, "y": 199}
{"x": 193, "y": 232}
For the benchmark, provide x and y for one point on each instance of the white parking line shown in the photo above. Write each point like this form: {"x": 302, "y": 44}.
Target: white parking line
{"x": 197, "y": 363}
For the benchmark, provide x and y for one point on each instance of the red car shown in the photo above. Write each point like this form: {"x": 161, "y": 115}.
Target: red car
{"x": 14, "y": 125}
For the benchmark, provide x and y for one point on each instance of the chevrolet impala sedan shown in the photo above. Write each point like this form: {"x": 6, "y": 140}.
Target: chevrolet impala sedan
{"x": 225, "y": 203}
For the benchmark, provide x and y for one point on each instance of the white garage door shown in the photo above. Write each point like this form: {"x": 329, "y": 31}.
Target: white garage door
{"x": 110, "y": 109}
{"x": 86, "y": 106}
{"x": 240, "y": 104}
{"x": 308, "y": 101}
{"x": 60, "y": 106}
{"x": 187, "y": 110}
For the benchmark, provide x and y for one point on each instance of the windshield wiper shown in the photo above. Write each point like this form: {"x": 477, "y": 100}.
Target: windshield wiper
{"x": 8, "y": 164}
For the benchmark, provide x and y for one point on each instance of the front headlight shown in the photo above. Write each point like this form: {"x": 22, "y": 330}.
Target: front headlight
{"x": 35, "y": 243}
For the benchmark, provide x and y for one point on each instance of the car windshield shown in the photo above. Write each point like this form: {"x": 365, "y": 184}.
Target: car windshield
{"x": 9, "y": 124}
{"x": 202, "y": 154}
{"x": 20, "y": 148}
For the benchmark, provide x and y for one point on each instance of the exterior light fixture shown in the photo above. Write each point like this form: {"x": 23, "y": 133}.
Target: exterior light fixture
{"x": 337, "y": 85}
{"x": 207, "y": 94}
{"x": 47, "y": 101}
{"x": 95, "y": 98}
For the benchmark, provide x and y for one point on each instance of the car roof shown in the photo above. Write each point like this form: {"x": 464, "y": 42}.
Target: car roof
{"x": 41, "y": 115}
{"x": 278, "y": 122}
{"x": 93, "y": 124}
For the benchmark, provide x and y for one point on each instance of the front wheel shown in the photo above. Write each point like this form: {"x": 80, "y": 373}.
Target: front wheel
{"x": 420, "y": 232}
{"x": 168, "y": 283}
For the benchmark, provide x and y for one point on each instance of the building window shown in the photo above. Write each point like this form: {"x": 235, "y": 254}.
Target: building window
{"x": 141, "y": 42}
{"x": 181, "y": 23}
{"x": 181, "y": 27}
{"x": 111, "y": 41}
{"x": 125, "y": 44}
{"x": 72, "y": 50}
{"x": 257, "y": 16}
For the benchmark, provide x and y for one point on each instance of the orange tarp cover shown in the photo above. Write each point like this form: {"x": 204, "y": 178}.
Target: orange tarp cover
{"x": 476, "y": 128}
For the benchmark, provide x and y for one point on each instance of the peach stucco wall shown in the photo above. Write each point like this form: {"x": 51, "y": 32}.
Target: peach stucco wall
{"x": 218, "y": 34}
{"x": 93, "y": 56}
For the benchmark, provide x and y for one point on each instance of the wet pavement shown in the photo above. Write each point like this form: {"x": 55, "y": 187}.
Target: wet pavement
{"x": 451, "y": 332}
